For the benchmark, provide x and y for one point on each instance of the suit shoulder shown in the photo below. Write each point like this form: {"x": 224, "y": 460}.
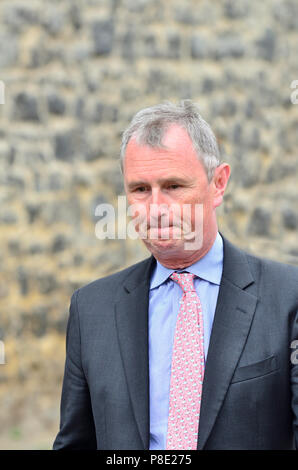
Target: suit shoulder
{"x": 277, "y": 273}
{"x": 272, "y": 265}
{"x": 112, "y": 280}
{"x": 258, "y": 265}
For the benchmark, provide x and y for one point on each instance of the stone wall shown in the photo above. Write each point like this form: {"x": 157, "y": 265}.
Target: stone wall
{"x": 75, "y": 72}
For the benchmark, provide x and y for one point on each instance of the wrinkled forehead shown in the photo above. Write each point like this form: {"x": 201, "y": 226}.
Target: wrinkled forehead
{"x": 172, "y": 137}
{"x": 176, "y": 157}
{"x": 153, "y": 134}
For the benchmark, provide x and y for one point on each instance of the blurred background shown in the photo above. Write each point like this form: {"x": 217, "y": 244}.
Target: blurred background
{"x": 75, "y": 72}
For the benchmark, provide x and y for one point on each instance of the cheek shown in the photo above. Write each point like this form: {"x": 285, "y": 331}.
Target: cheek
{"x": 133, "y": 200}
{"x": 136, "y": 209}
{"x": 202, "y": 207}
{"x": 129, "y": 200}
{"x": 204, "y": 197}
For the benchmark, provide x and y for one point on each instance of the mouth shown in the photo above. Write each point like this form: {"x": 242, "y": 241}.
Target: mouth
{"x": 164, "y": 233}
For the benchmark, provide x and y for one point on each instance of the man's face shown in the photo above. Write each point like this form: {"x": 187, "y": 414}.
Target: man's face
{"x": 170, "y": 177}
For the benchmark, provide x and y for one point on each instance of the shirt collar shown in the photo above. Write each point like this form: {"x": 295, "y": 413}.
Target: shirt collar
{"x": 208, "y": 268}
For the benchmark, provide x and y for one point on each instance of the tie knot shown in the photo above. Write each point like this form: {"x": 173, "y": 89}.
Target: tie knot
{"x": 185, "y": 281}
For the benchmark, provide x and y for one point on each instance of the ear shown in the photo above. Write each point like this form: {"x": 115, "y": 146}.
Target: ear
{"x": 219, "y": 182}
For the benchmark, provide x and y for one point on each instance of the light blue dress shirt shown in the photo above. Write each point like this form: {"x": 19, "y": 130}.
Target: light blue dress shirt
{"x": 164, "y": 299}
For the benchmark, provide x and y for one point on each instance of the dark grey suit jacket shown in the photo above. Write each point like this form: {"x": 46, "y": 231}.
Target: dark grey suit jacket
{"x": 250, "y": 389}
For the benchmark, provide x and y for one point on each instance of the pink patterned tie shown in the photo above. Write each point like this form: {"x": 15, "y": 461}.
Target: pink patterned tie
{"x": 187, "y": 371}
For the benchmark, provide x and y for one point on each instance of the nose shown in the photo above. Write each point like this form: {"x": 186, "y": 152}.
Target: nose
{"x": 159, "y": 205}
{"x": 157, "y": 197}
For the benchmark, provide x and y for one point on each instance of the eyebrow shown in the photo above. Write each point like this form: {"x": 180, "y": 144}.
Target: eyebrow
{"x": 168, "y": 179}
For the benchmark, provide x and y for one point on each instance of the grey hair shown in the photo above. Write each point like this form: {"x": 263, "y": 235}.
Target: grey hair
{"x": 149, "y": 125}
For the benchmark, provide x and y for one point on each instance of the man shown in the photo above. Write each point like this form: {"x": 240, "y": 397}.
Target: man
{"x": 191, "y": 348}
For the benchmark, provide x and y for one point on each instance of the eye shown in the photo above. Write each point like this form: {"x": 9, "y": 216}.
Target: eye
{"x": 173, "y": 186}
{"x": 140, "y": 189}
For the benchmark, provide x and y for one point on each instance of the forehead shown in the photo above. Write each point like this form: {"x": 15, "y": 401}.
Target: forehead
{"x": 177, "y": 152}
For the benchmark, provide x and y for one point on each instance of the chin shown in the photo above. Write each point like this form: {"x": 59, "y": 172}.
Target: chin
{"x": 164, "y": 246}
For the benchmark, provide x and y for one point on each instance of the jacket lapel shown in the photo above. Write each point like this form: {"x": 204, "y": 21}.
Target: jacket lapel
{"x": 131, "y": 315}
{"x": 233, "y": 316}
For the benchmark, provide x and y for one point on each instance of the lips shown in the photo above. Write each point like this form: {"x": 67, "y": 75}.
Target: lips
{"x": 165, "y": 233}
